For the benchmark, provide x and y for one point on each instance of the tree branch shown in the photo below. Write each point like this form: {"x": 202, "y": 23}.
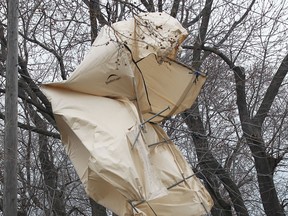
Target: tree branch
{"x": 175, "y": 8}
{"x": 149, "y": 5}
{"x": 23, "y": 71}
{"x": 58, "y": 57}
{"x": 202, "y": 34}
{"x": 252, "y": 130}
{"x": 160, "y": 5}
{"x": 96, "y": 7}
{"x": 210, "y": 166}
{"x": 236, "y": 23}
{"x": 271, "y": 92}
{"x": 34, "y": 129}
{"x": 93, "y": 20}
{"x": 187, "y": 24}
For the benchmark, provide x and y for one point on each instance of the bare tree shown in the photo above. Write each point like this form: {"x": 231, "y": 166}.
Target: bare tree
{"x": 235, "y": 137}
{"x": 271, "y": 203}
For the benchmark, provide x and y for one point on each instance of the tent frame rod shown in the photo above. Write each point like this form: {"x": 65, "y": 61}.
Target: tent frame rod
{"x": 148, "y": 120}
{"x": 183, "y": 180}
{"x": 155, "y": 115}
{"x": 168, "y": 188}
{"x": 157, "y": 143}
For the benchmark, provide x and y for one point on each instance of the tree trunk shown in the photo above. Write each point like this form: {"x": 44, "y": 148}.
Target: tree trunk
{"x": 211, "y": 168}
{"x": 264, "y": 170}
{"x": 97, "y": 210}
{"x": 11, "y": 112}
{"x": 252, "y": 133}
{"x": 55, "y": 195}
{"x": 209, "y": 165}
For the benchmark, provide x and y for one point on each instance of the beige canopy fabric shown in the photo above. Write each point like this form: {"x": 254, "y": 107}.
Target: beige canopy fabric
{"x": 134, "y": 59}
{"x": 108, "y": 112}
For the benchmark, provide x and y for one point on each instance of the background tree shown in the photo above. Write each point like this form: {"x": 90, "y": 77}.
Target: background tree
{"x": 235, "y": 136}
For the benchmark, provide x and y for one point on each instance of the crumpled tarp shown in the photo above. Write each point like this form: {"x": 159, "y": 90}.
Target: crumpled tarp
{"x": 106, "y": 116}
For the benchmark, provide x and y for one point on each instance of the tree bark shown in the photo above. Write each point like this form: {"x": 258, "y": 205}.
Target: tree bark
{"x": 209, "y": 165}
{"x": 175, "y": 8}
{"x": 11, "y": 112}
{"x": 160, "y": 5}
{"x": 196, "y": 59}
{"x": 211, "y": 168}
{"x": 93, "y": 20}
{"x": 48, "y": 169}
{"x": 252, "y": 133}
{"x": 97, "y": 210}
{"x": 149, "y": 5}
